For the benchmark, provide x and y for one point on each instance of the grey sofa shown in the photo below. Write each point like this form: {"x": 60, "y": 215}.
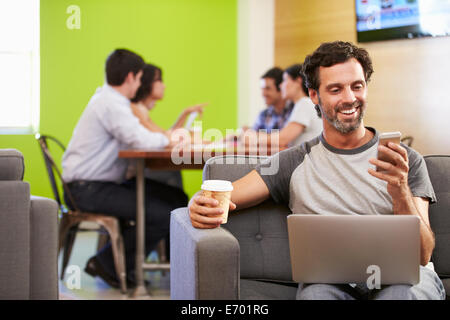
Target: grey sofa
{"x": 248, "y": 258}
{"x": 28, "y": 235}
{"x": 439, "y": 172}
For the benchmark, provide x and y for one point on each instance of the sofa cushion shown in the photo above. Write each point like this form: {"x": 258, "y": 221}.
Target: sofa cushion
{"x": 11, "y": 165}
{"x": 263, "y": 239}
{"x": 446, "y": 283}
{"x": 439, "y": 170}
{"x": 263, "y": 290}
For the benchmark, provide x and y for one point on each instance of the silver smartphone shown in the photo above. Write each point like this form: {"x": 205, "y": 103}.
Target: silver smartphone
{"x": 384, "y": 138}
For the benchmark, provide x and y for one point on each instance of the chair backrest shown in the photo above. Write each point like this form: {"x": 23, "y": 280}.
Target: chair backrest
{"x": 12, "y": 166}
{"x": 260, "y": 230}
{"x": 439, "y": 172}
{"x": 408, "y": 140}
{"x": 52, "y": 169}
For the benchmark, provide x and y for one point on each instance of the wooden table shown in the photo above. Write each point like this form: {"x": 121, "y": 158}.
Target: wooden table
{"x": 169, "y": 159}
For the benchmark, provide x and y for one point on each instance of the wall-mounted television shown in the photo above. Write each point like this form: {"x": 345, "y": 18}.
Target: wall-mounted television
{"x": 395, "y": 19}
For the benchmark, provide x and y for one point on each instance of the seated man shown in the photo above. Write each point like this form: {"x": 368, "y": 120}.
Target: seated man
{"x": 96, "y": 176}
{"x": 334, "y": 173}
{"x": 303, "y": 123}
{"x": 278, "y": 109}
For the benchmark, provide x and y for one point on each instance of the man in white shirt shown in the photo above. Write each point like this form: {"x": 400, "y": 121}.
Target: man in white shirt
{"x": 96, "y": 176}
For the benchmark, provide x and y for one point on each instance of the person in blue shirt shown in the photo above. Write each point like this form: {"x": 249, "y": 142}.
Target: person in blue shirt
{"x": 278, "y": 109}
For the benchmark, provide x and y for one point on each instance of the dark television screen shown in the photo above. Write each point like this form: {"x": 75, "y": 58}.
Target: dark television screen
{"x": 393, "y": 19}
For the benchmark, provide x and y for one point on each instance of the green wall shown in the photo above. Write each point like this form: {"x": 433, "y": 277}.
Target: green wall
{"x": 193, "y": 41}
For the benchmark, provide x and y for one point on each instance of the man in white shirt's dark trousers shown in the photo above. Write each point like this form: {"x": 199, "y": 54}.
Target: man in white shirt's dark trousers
{"x": 96, "y": 176}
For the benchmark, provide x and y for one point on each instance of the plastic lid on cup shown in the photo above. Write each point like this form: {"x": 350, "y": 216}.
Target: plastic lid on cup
{"x": 217, "y": 185}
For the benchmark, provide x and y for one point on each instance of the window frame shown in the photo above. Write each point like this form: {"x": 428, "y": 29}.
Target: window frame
{"x": 34, "y": 54}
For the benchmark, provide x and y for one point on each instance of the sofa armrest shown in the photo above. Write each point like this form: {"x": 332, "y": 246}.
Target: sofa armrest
{"x": 204, "y": 264}
{"x": 14, "y": 240}
{"x": 44, "y": 249}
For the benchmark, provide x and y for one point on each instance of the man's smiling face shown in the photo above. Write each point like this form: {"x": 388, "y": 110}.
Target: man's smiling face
{"x": 342, "y": 95}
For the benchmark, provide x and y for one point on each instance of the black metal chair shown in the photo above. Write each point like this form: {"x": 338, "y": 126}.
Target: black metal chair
{"x": 71, "y": 219}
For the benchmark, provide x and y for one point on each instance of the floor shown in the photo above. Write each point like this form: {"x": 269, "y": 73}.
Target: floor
{"x": 86, "y": 287}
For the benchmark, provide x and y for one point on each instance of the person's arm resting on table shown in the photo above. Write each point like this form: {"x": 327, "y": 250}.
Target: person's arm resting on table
{"x": 144, "y": 119}
{"x": 248, "y": 191}
{"x": 285, "y": 136}
{"x": 186, "y": 113}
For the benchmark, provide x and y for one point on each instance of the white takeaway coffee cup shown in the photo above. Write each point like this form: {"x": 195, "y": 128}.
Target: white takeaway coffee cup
{"x": 221, "y": 191}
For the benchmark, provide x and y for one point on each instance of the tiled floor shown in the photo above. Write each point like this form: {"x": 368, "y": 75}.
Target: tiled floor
{"x": 94, "y": 288}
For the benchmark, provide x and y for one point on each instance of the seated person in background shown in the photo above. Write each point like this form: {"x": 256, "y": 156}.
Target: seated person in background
{"x": 304, "y": 122}
{"x": 96, "y": 176}
{"x": 334, "y": 172}
{"x": 278, "y": 109}
{"x": 151, "y": 90}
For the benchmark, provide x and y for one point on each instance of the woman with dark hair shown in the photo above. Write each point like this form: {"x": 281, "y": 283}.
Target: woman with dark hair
{"x": 151, "y": 90}
{"x": 304, "y": 123}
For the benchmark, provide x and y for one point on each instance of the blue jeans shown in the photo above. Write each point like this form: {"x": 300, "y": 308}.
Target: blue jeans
{"x": 430, "y": 287}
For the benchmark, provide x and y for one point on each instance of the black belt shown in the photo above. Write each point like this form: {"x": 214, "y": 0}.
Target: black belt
{"x": 78, "y": 183}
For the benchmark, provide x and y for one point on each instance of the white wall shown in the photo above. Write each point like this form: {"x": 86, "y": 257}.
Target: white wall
{"x": 255, "y": 55}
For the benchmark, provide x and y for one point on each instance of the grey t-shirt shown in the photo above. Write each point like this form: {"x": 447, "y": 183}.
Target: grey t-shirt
{"x": 316, "y": 178}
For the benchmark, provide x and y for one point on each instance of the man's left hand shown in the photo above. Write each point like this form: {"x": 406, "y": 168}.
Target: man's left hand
{"x": 395, "y": 172}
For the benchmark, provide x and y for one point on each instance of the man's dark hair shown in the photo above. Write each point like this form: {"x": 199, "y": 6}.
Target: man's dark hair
{"x": 150, "y": 74}
{"x": 276, "y": 74}
{"x": 294, "y": 72}
{"x": 331, "y": 53}
{"x": 119, "y": 64}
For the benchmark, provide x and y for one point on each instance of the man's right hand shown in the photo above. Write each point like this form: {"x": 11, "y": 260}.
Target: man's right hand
{"x": 205, "y": 212}
{"x": 248, "y": 191}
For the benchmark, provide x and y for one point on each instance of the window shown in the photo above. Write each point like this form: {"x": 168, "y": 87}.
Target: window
{"x": 19, "y": 65}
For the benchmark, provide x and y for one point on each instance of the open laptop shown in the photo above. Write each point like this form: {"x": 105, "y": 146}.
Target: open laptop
{"x": 345, "y": 249}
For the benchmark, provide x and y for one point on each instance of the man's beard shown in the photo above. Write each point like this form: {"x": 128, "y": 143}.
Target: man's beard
{"x": 341, "y": 126}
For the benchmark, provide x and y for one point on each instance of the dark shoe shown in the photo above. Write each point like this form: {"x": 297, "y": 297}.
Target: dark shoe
{"x": 94, "y": 269}
{"x": 131, "y": 283}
